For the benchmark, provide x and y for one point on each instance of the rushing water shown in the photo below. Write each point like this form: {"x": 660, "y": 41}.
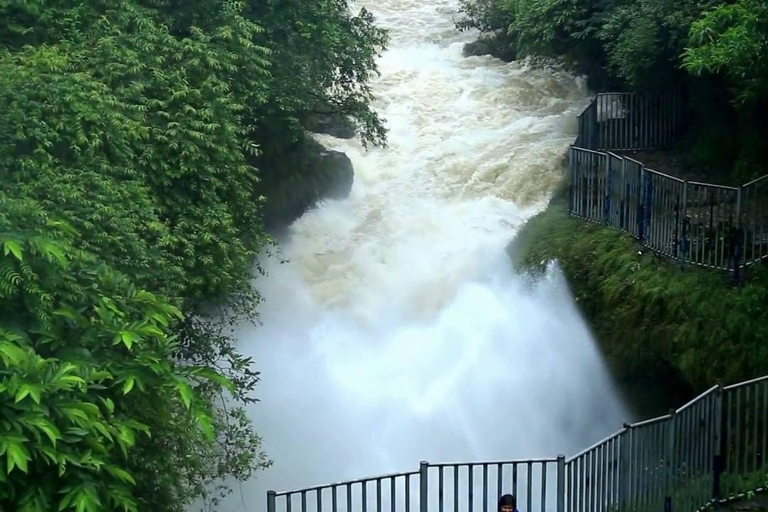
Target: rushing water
{"x": 397, "y": 332}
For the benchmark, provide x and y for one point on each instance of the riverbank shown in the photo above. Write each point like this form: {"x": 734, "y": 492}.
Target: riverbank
{"x": 675, "y": 329}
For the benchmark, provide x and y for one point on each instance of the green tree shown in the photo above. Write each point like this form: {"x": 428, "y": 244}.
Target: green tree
{"x": 80, "y": 348}
{"x": 731, "y": 40}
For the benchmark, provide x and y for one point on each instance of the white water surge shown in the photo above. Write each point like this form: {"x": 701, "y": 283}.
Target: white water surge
{"x": 397, "y": 331}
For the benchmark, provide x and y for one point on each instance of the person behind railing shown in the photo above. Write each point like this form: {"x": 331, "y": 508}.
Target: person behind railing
{"x": 508, "y": 503}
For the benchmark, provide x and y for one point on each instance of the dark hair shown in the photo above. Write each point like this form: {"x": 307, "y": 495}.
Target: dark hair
{"x": 507, "y": 500}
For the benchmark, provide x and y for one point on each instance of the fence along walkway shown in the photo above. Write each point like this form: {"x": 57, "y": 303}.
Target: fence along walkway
{"x": 711, "y": 450}
{"x": 700, "y": 223}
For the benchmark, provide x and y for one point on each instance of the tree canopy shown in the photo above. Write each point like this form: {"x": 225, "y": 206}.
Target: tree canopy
{"x": 131, "y": 137}
{"x": 716, "y": 48}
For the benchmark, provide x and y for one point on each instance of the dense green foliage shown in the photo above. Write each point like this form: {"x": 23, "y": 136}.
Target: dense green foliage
{"x": 132, "y": 135}
{"x": 648, "y": 313}
{"x": 715, "y": 48}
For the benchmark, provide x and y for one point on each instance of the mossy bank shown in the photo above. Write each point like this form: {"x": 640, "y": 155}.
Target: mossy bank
{"x": 667, "y": 329}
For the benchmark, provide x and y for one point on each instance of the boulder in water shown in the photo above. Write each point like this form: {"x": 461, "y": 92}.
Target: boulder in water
{"x": 336, "y": 125}
{"x": 496, "y": 46}
{"x": 296, "y": 179}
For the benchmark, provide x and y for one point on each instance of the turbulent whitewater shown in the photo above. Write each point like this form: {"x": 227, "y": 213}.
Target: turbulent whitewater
{"x": 397, "y": 331}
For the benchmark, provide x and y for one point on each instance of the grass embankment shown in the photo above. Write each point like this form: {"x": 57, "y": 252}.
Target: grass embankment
{"x": 666, "y": 330}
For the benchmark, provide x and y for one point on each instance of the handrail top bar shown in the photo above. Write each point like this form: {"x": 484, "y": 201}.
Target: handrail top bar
{"x": 587, "y": 450}
{"x": 585, "y": 150}
{"x": 611, "y": 153}
{"x": 695, "y": 400}
{"x": 746, "y": 383}
{"x": 493, "y": 463}
{"x": 700, "y": 184}
{"x": 665, "y": 175}
{"x": 628, "y": 159}
{"x": 521, "y": 461}
{"x": 315, "y": 488}
{"x": 651, "y": 421}
{"x": 761, "y": 178}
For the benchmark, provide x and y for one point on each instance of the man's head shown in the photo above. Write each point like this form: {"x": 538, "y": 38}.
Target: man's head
{"x": 507, "y": 503}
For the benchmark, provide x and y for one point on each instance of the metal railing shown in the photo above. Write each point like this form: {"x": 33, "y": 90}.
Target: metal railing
{"x": 711, "y": 450}
{"x": 699, "y": 223}
{"x": 631, "y": 121}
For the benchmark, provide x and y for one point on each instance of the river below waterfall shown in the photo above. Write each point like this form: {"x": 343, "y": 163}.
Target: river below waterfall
{"x": 397, "y": 331}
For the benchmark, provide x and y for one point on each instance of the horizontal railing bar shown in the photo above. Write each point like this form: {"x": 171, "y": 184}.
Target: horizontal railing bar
{"x": 700, "y": 184}
{"x": 746, "y": 383}
{"x": 594, "y": 152}
{"x": 665, "y": 175}
{"x": 617, "y": 94}
{"x": 587, "y": 450}
{"x": 651, "y": 421}
{"x": 695, "y": 400}
{"x": 492, "y": 463}
{"x": 347, "y": 482}
{"x": 761, "y": 178}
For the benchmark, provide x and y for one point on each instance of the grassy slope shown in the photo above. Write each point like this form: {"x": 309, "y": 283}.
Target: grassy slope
{"x": 659, "y": 325}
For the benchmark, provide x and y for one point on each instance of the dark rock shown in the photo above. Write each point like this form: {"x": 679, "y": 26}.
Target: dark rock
{"x": 477, "y": 48}
{"x": 498, "y": 46}
{"x": 294, "y": 181}
{"x": 332, "y": 124}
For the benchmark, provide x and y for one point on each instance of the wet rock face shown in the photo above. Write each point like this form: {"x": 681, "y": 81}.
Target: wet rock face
{"x": 495, "y": 46}
{"x": 306, "y": 173}
{"x": 332, "y": 124}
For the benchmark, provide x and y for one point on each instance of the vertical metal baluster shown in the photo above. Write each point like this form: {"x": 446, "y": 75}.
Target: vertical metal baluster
{"x": 456, "y": 488}
{"x": 407, "y": 495}
{"x": 499, "y": 480}
{"x": 393, "y": 494}
{"x": 543, "y": 487}
{"x": 530, "y": 481}
{"x": 765, "y": 424}
{"x": 738, "y": 445}
{"x": 303, "y": 501}
{"x": 514, "y": 478}
{"x": 470, "y": 487}
{"x": 364, "y": 496}
{"x": 485, "y": 487}
{"x": 334, "y": 498}
{"x": 440, "y": 487}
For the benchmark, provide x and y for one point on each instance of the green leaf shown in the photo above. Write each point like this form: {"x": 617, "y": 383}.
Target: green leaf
{"x": 28, "y": 389}
{"x": 129, "y": 337}
{"x": 128, "y": 385}
{"x": 204, "y": 420}
{"x": 48, "y": 428}
{"x": 17, "y": 456}
{"x": 185, "y": 391}
{"x": 13, "y": 353}
{"x": 120, "y": 474}
{"x": 14, "y": 247}
{"x": 214, "y": 376}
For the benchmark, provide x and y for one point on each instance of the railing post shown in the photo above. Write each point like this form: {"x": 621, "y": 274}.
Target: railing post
{"x": 561, "y": 483}
{"x": 572, "y": 163}
{"x": 721, "y": 445}
{"x": 271, "y": 497}
{"x": 624, "y": 470}
{"x": 737, "y": 236}
{"x": 682, "y": 245}
{"x": 671, "y": 464}
{"x": 608, "y": 189}
{"x": 423, "y": 486}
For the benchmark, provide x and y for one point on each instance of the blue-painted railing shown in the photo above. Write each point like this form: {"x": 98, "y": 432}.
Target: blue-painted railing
{"x": 709, "y": 451}
{"x": 699, "y": 223}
